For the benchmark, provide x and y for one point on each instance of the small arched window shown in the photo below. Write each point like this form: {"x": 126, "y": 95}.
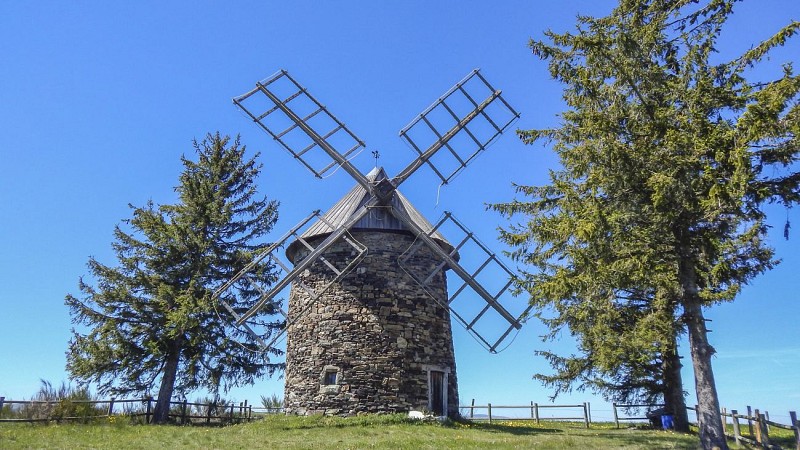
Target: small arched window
{"x": 330, "y": 377}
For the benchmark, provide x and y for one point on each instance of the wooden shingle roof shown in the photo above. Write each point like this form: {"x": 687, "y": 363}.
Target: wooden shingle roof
{"x": 378, "y": 219}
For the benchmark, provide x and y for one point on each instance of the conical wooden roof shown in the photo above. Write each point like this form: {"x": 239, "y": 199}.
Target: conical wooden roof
{"x": 378, "y": 219}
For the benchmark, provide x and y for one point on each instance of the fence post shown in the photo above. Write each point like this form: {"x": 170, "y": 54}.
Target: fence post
{"x": 490, "y": 412}
{"x": 737, "y": 435}
{"x": 2, "y": 400}
{"x": 724, "y": 419}
{"x": 585, "y": 415}
{"x": 111, "y": 407}
{"x": 764, "y": 432}
{"x": 757, "y": 416}
{"x": 750, "y": 421}
{"x": 231, "y": 418}
{"x": 589, "y": 409}
{"x": 147, "y": 411}
{"x": 532, "y": 415}
{"x": 536, "y": 412}
{"x": 183, "y": 412}
{"x": 616, "y": 418}
{"x": 796, "y": 425}
{"x": 244, "y": 413}
{"x": 766, "y": 413}
{"x": 209, "y": 407}
{"x": 796, "y": 428}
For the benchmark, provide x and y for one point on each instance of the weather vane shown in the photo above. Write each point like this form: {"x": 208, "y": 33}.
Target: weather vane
{"x": 376, "y": 155}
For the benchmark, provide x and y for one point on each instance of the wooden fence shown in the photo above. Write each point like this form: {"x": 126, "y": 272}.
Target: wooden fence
{"x": 758, "y": 425}
{"x": 183, "y": 412}
{"x": 753, "y": 429}
{"x": 535, "y": 409}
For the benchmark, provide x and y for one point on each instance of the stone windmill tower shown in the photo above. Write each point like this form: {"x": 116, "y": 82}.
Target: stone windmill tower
{"x": 368, "y": 326}
{"x": 376, "y": 342}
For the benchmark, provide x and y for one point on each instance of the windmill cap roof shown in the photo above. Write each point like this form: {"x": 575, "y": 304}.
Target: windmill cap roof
{"x": 378, "y": 219}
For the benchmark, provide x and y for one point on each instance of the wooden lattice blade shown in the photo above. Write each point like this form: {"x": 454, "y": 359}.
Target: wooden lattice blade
{"x": 302, "y": 125}
{"x": 456, "y": 128}
{"x": 481, "y": 313}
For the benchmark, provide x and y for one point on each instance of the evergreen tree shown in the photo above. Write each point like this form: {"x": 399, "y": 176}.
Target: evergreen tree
{"x": 627, "y": 352}
{"x": 151, "y": 319}
{"x": 657, "y": 212}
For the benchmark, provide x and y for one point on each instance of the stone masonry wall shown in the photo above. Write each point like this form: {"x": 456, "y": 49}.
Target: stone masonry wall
{"x": 377, "y": 330}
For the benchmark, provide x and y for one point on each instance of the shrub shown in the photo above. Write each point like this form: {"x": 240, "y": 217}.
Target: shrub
{"x": 61, "y": 403}
{"x": 273, "y": 403}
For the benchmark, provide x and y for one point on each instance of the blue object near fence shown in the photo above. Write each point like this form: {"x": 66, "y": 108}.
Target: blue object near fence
{"x": 667, "y": 422}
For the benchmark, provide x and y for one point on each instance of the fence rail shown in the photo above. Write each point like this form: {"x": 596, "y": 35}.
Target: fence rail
{"x": 617, "y": 418}
{"x": 534, "y": 408}
{"x": 183, "y": 411}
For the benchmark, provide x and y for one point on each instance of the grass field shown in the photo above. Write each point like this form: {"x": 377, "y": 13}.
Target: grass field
{"x": 389, "y": 432}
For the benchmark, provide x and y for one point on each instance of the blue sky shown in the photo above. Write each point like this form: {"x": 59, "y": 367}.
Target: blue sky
{"x": 98, "y": 101}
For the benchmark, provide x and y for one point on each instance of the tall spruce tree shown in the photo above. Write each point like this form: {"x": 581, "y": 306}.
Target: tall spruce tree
{"x": 150, "y": 318}
{"x": 627, "y": 351}
{"x": 657, "y": 211}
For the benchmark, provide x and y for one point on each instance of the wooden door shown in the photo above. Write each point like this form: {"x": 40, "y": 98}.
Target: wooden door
{"x": 437, "y": 393}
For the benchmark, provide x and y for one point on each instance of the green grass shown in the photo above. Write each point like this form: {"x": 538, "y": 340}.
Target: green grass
{"x": 289, "y": 432}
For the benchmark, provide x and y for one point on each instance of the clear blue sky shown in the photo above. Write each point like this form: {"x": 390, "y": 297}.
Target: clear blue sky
{"x": 98, "y": 101}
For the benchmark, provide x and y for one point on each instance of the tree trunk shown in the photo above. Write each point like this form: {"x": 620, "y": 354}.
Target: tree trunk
{"x": 674, "y": 399}
{"x": 712, "y": 434}
{"x": 161, "y": 412}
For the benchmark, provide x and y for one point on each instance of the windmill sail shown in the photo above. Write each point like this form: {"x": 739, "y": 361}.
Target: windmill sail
{"x": 336, "y": 271}
{"x": 302, "y": 125}
{"x": 472, "y": 95}
{"x": 490, "y": 320}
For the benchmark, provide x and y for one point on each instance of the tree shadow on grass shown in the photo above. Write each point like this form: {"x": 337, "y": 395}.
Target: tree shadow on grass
{"x": 311, "y": 422}
{"x": 319, "y": 421}
{"x": 639, "y": 439}
{"x": 520, "y": 430}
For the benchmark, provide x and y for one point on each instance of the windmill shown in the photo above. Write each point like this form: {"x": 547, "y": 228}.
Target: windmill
{"x": 368, "y": 317}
